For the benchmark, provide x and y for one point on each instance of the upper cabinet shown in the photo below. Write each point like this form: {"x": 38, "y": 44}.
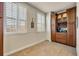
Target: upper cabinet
{"x": 71, "y": 13}
{"x": 62, "y": 17}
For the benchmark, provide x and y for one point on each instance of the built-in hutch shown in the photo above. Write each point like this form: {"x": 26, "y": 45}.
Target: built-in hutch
{"x": 63, "y": 27}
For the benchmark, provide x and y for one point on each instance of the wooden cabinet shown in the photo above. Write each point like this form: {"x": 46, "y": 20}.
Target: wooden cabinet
{"x": 1, "y": 28}
{"x": 64, "y": 27}
{"x": 71, "y": 35}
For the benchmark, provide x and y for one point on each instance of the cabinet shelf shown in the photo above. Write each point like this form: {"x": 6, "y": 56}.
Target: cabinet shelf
{"x": 61, "y": 22}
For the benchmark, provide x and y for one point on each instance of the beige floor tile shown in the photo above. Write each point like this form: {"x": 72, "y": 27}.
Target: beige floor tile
{"x": 47, "y": 48}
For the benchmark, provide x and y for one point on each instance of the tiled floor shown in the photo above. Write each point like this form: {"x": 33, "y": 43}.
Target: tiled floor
{"x": 47, "y": 48}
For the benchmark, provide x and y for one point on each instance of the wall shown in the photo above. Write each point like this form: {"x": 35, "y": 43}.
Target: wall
{"x": 77, "y": 41}
{"x": 48, "y": 24}
{"x": 18, "y": 41}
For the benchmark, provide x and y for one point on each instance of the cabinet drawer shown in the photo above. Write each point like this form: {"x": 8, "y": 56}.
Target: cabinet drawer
{"x": 61, "y": 37}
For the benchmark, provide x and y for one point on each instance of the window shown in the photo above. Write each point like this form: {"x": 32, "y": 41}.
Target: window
{"x": 11, "y": 17}
{"x": 22, "y": 19}
{"x": 15, "y": 17}
{"x": 40, "y": 22}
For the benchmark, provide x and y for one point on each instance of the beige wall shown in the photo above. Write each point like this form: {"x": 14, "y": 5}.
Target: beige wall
{"x": 13, "y": 42}
{"x": 77, "y": 41}
{"x": 48, "y": 24}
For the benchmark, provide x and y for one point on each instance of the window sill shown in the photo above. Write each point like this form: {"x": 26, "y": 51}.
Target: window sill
{"x": 15, "y": 32}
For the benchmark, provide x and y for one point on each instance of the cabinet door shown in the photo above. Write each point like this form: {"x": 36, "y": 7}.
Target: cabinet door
{"x": 71, "y": 40}
{"x": 53, "y": 27}
{"x": 71, "y": 15}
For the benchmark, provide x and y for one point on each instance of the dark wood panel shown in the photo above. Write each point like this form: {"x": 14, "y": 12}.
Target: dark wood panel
{"x": 1, "y": 36}
{"x": 53, "y": 27}
{"x": 1, "y": 28}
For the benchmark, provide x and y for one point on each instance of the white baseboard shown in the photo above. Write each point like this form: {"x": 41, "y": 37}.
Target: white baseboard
{"x": 6, "y": 54}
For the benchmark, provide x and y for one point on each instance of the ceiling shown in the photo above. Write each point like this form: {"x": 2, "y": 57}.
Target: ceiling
{"x": 52, "y": 6}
